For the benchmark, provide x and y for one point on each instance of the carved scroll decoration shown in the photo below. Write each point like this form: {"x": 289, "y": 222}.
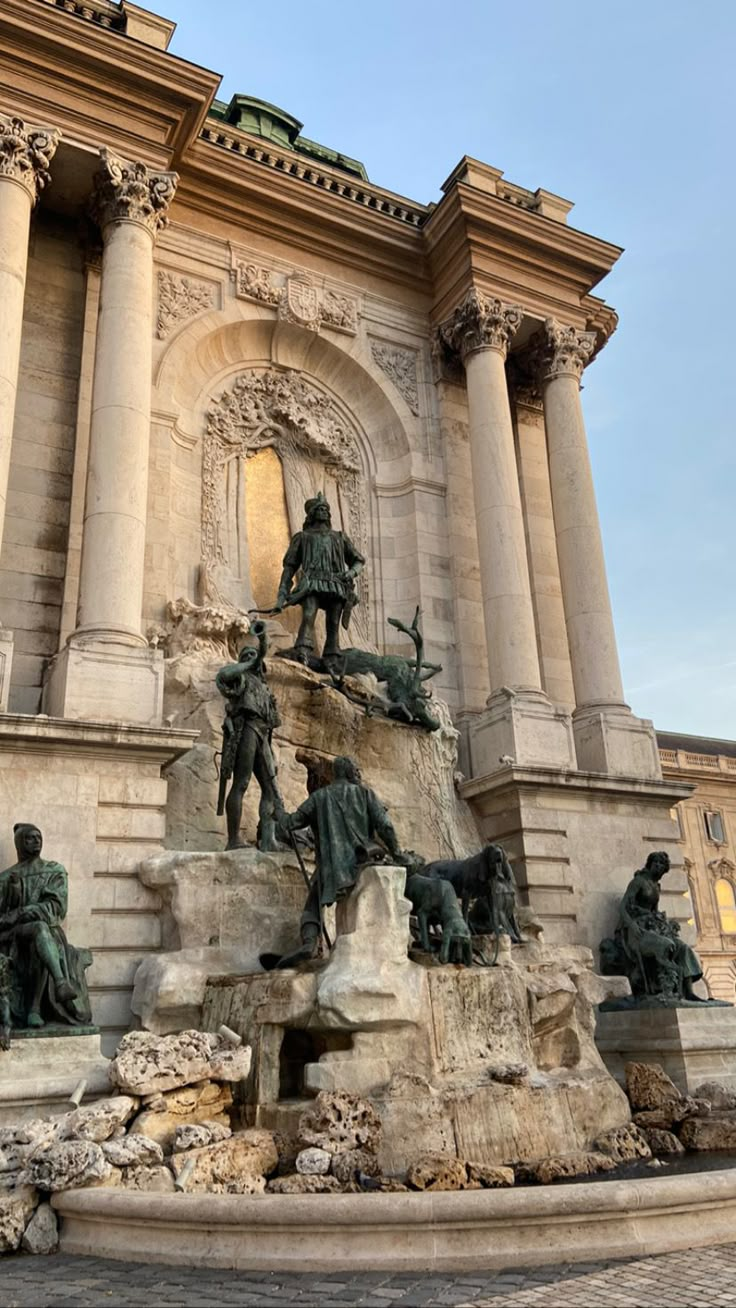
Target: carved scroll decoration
{"x": 180, "y": 298}
{"x": 400, "y": 366}
{"x": 314, "y": 442}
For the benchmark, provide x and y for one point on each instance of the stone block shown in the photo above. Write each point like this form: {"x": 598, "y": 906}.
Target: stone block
{"x": 616, "y": 742}
{"x": 106, "y": 683}
{"x": 692, "y": 1045}
{"x": 38, "y": 1075}
{"x": 523, "y": 727}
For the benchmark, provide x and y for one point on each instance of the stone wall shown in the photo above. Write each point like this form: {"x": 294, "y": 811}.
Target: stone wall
{"x": 34, "y": 546}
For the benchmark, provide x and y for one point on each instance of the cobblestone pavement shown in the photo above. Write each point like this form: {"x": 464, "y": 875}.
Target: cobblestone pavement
{"x": 697, "y": 1279}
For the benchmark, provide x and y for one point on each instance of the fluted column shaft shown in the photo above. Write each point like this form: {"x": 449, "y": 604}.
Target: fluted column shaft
{"x": 480, "y": 331}
{"x": 131, "y": 204}
{"x": 25, "y": 155}
{"x": 592, "y": 639}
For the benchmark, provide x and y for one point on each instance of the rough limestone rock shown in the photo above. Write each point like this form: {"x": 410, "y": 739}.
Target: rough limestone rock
{"x": 509, "y": 1073}
{"x": 489, "y": 1178}
{"x": 547, "y": 1170}
{"x": 303, "y": 1184}
{"x": 313, "y": 1162}
{"x": 624, "y": 1143}
{"x": 720, "y": 1099}
{"x": 150, "y": 1180}
{"x": 207, "y": 1102}
{"x": 663, "y": 1142}
{"x": 99, "y": 1121}
{"x": 671, "y": 1113}
{"x": 191, "y": 1136}
{"x": 146, "y": 1064}
{"x": 65, "y": 1165}
{"x": 243, "y": 1185}
{"x": 41, "y": 1235}
{"x": 133, "y": 1151}
{"x": 437, "y": 1172}
{"x": 338, "y": 1122}
{"x": 15, "y": 1210}
{"x": 648, "y": 1086}
{"x": 704, "y": 1133}
{"x": 246, "y": 1154}
{"x": 354, "y": 1162}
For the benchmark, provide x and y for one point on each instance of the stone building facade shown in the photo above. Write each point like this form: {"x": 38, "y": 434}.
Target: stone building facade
{"x": 205, "y": 317}
{"x": 707, "y": 823}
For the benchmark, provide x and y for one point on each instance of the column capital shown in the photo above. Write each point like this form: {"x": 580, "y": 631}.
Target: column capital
{"x": 26, "y": 152}
{"x": 480, "y": 322}
{"x": 129, "y": 191}
{"x": 562, "y": 351}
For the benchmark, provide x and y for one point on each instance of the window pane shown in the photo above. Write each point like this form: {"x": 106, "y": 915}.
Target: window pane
{"x": 714, "y": 826}
{"x": 725, "y": 895}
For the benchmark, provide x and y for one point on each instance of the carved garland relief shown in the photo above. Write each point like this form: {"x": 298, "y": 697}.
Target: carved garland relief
{"x": 296, "y": 297}
{"x": 400, "y": 366}
{"x": 181, "y": 298}
{"x": 279, "y": 410}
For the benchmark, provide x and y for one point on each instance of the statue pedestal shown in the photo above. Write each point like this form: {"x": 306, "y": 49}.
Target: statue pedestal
{"x": 42, "y": 1069}
{"x": 692, "y": 1044}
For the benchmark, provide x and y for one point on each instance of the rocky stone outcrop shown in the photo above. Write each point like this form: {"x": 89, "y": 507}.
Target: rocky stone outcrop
{"x": 716, "y": 1132}
{"x": 150, "y": 1180}
{"x": 99, "y": 1121}
{"x": 300, "y": 1183}
{"x": 352, "y": 1164}
{"x": 437, "y": 1172}
{"x": 191, "y": 1136}
{"x": 164, "y": 1114}
{"x": 244, "y": 1160}
{"x": 65, "y": 1165}
{"x": 146, "y": 1064}
{"x": 648, "y": 1086}
{"x": 41, "y": 1235}
{"x": 623, "y": 1143}
{"x": 133, "y": 1151}
{"x": 313, "y": 1162}
{"x": 339, "y": 1122}
{"x": 483, "y": 1177}
{"x": 663, "y": 1142}
{"x": 16, "y": 1208}
{"x": 548, "y": 1170}
{"x": 720, "y": 1099}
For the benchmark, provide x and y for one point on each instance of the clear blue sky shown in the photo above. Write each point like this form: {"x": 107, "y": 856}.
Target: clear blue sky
{"x": 627, "y": 108}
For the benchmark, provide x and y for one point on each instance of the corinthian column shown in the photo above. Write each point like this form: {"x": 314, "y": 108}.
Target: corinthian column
{"x": 520, "y": 722}
{"x": 131, "y": 204}
{"x": 25, "y": 155}
{"x": 608, "y": 737}
{"x": 480, "y": 331}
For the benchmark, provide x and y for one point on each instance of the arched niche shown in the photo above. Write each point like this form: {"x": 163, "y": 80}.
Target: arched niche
{"x": 237, "y": 386}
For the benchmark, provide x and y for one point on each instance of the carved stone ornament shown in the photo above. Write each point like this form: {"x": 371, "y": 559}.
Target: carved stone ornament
{"x": 255, "y": 283}
{"x": 480, "y": 323}
{"x": 340, "y": 312}
{"x": 723, "y": 869}
{"x": 180, "y": 298}
{"x": 563, "y": 351}
{"x": 131, "y": 192}
{"x": 400, "y": 366}
{"x": 281, "y": 410}
{"x": 300, "y": 302}
{"x": 26, "y": 153}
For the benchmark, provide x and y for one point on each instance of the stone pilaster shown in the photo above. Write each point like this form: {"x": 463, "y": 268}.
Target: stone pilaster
{"x": 26, "y": 152}
{"x": 608, "y": 737}
{"x": 519, "y": 721}
{"x": 131, "y": 203}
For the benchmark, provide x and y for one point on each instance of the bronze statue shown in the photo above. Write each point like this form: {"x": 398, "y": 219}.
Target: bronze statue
{"x": 646, "y": 947}
{"x": 327, "y": 564}
{"x": 46, "y": 974}
{"x": 404, "y": 678}
{"x": 346, "y": 819}
{"x": 486, "y": 881}
{"x": 250, "y": 718}
{"x": 435, "y": 904}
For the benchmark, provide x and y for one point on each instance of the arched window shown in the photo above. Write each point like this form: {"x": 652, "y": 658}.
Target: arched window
{"x": 726, "y": 906}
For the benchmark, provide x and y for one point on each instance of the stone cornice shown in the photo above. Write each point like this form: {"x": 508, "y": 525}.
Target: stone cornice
{"x": 26, "y": 152}
{"x": 480, "y": 322}
{"x": 128, "y": 191}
